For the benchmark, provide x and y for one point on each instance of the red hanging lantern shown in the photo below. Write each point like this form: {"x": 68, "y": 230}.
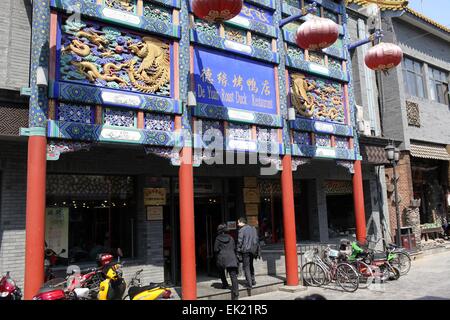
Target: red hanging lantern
{"x": 317, "y": 33}
{"x": 383, "y": 56}
{"x": 216, "y": 11}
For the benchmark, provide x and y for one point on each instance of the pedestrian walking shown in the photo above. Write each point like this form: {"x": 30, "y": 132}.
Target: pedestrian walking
{"x": 248, "y": 248}
{"x": 226, "y": 260}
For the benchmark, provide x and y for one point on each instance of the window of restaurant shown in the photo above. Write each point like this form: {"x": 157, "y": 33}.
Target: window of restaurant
{"x": 438, "y": 85}
{"x": 90, "y": 214}
{"x": 413, "y": 77}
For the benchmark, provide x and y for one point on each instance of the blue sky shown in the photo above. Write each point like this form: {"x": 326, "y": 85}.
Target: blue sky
{"x": 438, "y": 10}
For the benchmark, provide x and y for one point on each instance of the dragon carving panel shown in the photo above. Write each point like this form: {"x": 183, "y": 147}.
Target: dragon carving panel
{"x": 317, "y": 98}
{"x": 104, "y": 56}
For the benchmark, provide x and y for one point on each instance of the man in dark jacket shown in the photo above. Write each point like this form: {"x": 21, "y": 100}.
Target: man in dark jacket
{"x": 248, "y": 247}
{"x": 224, "y": 249}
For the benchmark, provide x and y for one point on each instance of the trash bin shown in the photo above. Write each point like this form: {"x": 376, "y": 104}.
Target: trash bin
{"x": 408, "y": 239}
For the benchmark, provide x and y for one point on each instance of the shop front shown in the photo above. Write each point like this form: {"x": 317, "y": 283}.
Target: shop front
{"x": 430, "y": 169}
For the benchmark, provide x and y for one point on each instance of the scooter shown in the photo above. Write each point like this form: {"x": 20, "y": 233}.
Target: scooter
{"x": 8, "y": 289}
{"x": 70, "y": 288}
{"x": 114, "y": 286}
{"x": 153, "y": 291}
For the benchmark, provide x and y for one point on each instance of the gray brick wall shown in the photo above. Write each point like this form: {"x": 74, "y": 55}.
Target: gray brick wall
{"x": 15, "y": 37}
{"x": 12, "y": 208}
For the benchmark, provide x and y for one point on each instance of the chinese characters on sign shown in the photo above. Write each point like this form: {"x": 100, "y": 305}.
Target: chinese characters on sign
{"x": 234, "y": 82}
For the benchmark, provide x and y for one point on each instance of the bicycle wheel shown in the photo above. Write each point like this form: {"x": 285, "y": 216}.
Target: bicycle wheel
{"x": 402, "y": 262}
{"x": 313, "y": 274}
{"x": 347, "y": 277}
{"x": 394, "y": 272}
{"x": 365, "y": 272}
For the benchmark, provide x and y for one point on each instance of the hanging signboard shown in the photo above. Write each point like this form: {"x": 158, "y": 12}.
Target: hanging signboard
{"x": 231, "y": 225}
{"x": 155, "y": 213}
{"x": 154, "y": 196}
{"x": 57, "y": 230}
{"x": 230, "y": 81}
{"x": 251, "y": 195}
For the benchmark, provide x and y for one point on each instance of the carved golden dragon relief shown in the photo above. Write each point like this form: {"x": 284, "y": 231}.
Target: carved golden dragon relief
{"x": 154, "y": 70}
{"x": 90, "y": 70}
{"x": 152, "y": 74}
{"x": 305, "y": 103}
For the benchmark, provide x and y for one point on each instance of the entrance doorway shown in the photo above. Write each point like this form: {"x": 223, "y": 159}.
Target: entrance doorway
{"x": 208, "y": 216}
{"x": 341, "y": 217}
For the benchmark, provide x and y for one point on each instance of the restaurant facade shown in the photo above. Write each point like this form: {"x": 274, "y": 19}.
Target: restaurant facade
{"x": 154, "y": 126}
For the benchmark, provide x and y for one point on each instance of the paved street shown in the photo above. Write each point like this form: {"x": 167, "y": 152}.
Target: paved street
{"x": 428, "y": 279}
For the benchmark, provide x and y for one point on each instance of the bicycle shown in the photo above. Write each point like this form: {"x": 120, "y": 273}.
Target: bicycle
{"x": 321, "y": 271}
{"x": 396, "y": 256}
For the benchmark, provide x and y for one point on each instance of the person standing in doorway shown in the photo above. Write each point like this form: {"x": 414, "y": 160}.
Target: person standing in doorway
{"x": 248, "y": 247}
{"x": 224, "y": 248}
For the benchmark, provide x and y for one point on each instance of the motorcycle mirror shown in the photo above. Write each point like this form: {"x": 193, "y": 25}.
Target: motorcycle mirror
{"x": 119, "y": 252}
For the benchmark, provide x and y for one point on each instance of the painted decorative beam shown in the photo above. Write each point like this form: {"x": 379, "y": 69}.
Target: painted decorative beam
{"x": 310, "y": 125}
{"x": 322, "y": 152}
{"x": 217, "y": 42}
{"x": 103, "y": 133}
{"x": 109, "y": 15}
{"x": 87, "y": 94}
{"x": 230, "y": 114}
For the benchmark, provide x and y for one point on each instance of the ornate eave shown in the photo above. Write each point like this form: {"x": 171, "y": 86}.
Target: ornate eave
{"x": 427, "y": 20}
{"x": 383, "y": 4}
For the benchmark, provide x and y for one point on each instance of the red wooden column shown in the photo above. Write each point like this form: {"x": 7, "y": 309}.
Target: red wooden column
{"x": 358, "y": 198}
{"x": 35, "y": 218}
{"x": 290, "y": 238}
{"x": 187, "y": 229}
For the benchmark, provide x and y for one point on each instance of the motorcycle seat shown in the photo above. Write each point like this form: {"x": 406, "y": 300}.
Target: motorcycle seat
{"x": 134, "y": 291}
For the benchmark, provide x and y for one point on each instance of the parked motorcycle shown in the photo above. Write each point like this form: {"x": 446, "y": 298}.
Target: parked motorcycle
{"x": 114, "y": 286}
{"x": 153, "y": 291}
{"x": 51, "y": 259}
{"x": 8, "y": 289}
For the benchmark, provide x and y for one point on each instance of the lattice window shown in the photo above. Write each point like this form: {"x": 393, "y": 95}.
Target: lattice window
{"x": 303, "y": 138}
{"x": 295, "y": 53}
{"x": 341, "y": 142}
{"x": 236, "y": 35}
{"x": 202, "y": 26}
{"x": 239, "y": 131}
{"x": 160, "y": 122}
{"x": 317, "y": 57}
{"x": 13, "y": 118}
{"x": 75, "y": 113}
{"x": 267, "y": 134}
{"x": 261, "y": 42}
{"x": 323, "y": 140}
{"x": 119, "y": 118}
{"x": 413, "y": 114}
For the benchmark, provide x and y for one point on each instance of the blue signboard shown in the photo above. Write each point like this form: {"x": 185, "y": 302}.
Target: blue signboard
{"x": 233, "y": 82}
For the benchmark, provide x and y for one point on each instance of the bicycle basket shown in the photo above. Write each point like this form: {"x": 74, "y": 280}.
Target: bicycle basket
{"x": 332, "y": 253}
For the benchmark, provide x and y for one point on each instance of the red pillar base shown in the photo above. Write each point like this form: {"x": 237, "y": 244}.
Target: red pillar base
{"x": 358, "y": 198}
{"x": 290, "y": 238}
{"x": 187, "y": 229}
{"x": 35, "y": 218}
